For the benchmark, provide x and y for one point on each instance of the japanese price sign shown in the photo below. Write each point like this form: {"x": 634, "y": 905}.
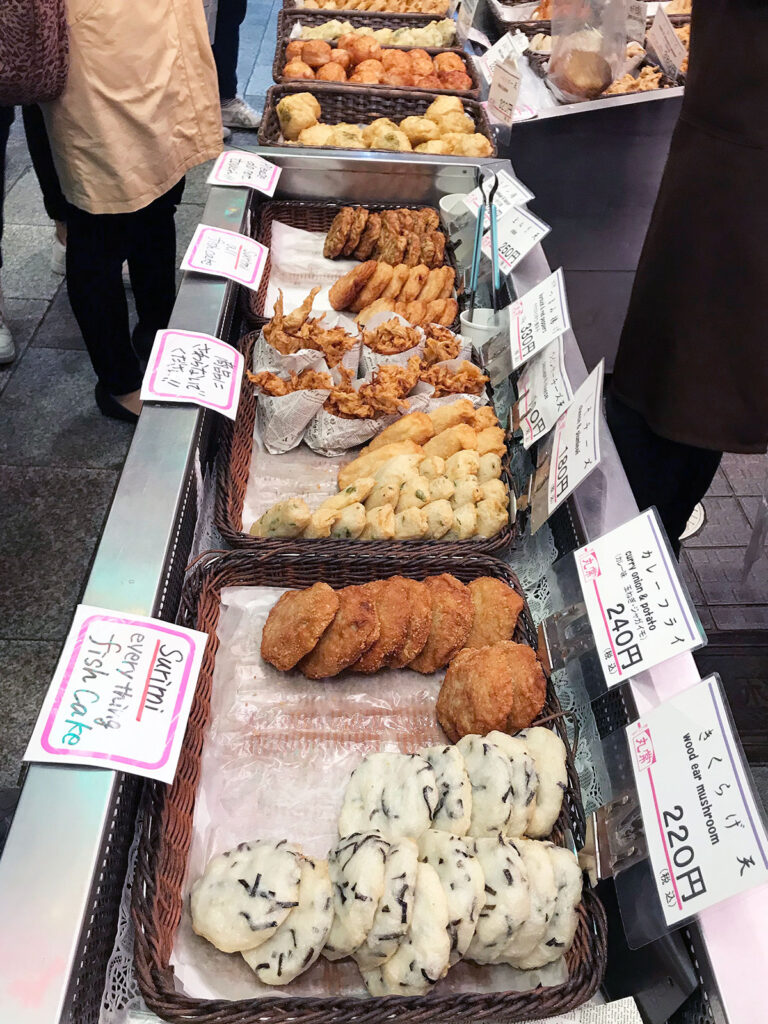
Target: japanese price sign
{"x": 502, "y": 49}
{"x": 518, "y": 231}
{"x": 638, "y": 609}
{"x": 662, "y": 39}
{"x": 576, "y": 442}
{"x": 537, "y": 318}
{"x": 121, "y": 694}
{"x": 235, "y": 167}
{"x": 706, "y": 838}
{"x": 509, "y": 193}
{"x": 189, "y": 367}
{"x": 502, "y": 95}
{"x": 636, "y": 15}
{"x": 226, "y": 254}
{"x": 545, "y": 392}
{"x": 466, "y": 17}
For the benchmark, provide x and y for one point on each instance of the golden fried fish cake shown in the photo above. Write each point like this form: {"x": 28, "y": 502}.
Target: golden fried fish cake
{"x": 417, "y": 276}
{"x": 369, "y": 237}
{"x": 359, "y": 220}
{"x": 430, "y": 218}
{"x": 296, "y": 623}
{"x": 419, "y": 606}
{"x": 399, "y": 277}
{"x": 373, "y": 288}
{"x": 433, "y": 285}
{"x": 452, "y": 614}
{"x": 497, "y": 608}
{"x": 501, "y": 686}
{"x": 338, "y": 232}
{"x": 412, "y": 255}
{"x": 344, "y": 292}
{"x": 391, "y": 600}
{"x": 391, "y": 245}
{"x": 354, "y": 629}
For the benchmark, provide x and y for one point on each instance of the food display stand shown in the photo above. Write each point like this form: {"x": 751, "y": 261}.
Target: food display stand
{"x": 63, "y": 870}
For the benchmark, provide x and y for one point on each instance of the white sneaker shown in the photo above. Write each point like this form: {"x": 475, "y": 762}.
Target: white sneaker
{"x": 7, "y": 347}
{"x": 58, "y": 256}
{"x": 225, "y": 133}
{"x": 236, "y": 113}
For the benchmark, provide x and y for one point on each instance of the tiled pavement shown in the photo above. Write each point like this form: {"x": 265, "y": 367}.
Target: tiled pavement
{"x": 60, "y": 459}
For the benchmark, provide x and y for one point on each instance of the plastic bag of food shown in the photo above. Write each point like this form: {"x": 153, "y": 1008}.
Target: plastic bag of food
{"x": 589, "y": 40}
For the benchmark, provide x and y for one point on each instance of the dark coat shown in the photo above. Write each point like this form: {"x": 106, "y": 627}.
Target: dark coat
{"x": 693, "y": 356}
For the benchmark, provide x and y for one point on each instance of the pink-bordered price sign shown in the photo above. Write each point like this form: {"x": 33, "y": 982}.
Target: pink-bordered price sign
{"x": 236, "y": 167}
{"x": 185, "y": 366}
{"x": 226, "y": 254}
{"x": 120, "y": 695}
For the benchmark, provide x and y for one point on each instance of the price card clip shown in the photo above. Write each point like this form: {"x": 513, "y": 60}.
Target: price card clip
{"x": 615, "y": 838}
{"x": 567, "y": 635}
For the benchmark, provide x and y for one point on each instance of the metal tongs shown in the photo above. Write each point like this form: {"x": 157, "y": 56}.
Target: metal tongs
{"x": 489, "y": 178}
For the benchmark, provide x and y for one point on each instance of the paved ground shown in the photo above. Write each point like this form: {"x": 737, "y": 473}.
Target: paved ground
{"x": 60, "y": 459}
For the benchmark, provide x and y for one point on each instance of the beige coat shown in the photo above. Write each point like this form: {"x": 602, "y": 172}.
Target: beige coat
{"x": 141, "y": 105}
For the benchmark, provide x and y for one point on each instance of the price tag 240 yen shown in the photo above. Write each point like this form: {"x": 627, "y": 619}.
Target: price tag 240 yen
{"x": 706, "y": 837}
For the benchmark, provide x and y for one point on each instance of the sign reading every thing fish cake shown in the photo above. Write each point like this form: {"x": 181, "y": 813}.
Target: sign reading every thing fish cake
{"x": 705, "y": 833}
{"x": 247, "y": 170}
{"x": 189, "y": 367}
{"x": 638, "y": 609}
{"x": 226, "y": 254}
{"x": 121, "y": 694}
{"x": 518, "y": 231}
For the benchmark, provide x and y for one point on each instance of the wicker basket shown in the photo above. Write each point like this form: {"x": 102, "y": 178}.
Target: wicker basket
{"x": 284, "y": 26}
{"x": 287, "y": 18}
{"x": 407, "y": 19}
{"x": 359, "y": 106}
{"x": 232, "y": 482}
{"x": 309, "y": 216}
{"x": 168, "y": 818}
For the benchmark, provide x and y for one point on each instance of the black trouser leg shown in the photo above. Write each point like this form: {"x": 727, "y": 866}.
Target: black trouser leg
{"x": 672, "y": 476}
{"x": 152, "y": 264}
{"x": 226, "y": 43}
{"x": 6, "y": 120}
{"x": 42, "y": 160}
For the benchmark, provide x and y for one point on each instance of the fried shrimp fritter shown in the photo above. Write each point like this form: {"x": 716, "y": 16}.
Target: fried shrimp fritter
{"x": 354, "y": 629}
{"x": 307, "y": 380}
{"x": 452, "y": 613}
{"x": 501, "y": 686}
{"x": 296, "y": 623}
{"x": 419, "y": 607}
{"x": 497, "y": 608}
{"x": 440, "y": 345}
{"x": 467, "y": 379}
{"x": 391, "y": 338}
{"x": 391, "y": 600}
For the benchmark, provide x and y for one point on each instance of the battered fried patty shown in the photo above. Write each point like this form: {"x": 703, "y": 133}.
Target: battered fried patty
{"x": 452, "y": 614}
{"x": 497, "y": 608}
{"x": 390, "y": 598}
{"x": 296, "y": 623}
{"x": 354, "y": 629}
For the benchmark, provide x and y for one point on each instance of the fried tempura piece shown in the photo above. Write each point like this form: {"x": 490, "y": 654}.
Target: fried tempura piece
{"x": 356, "y": 492}
{"x": 344, "y": 292}
{"x": 497, "y": 608}
{"x": 295, "y": 624}
{"x": 485, "y": 417}
{"x": 399, "y": 277}
{"x": 369, "y": 461}
{"x": 307, "y": 380}
{"x": 286, "y": 518}
{"x": 295, "y": 320}
{"x": 353, "y": 630}
{"x": 391, "y": 600}
{"x": 381, "y": 305}
{"x": 391, "y": 338}
{"x": 416, "y": 278}
{"x": 491, "y": 439}
{"x": 379, "y": 524}
{"x": 373, "y": 288}
{"x": 452, "y": 440}
{"x": 416, "y": 426}
{"x": 500, "y": 686}
{"x": 452, "y": 613}
{"x": 468, "y": 379}
{"x": 445, "y": 416}
{"x": 440, "y": 345}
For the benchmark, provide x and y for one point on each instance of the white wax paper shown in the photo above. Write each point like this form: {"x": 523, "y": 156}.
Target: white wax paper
{"x": 297, "y": 265}
{"x": 278, "y": 752}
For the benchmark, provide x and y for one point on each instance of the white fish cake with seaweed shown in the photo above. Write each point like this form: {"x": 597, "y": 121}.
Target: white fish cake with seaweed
{"x": 489, "y": 774}
{"x": 542, "y": 890}
{"x": 463, "y": 882}
{"x": 562, "y": 925}
{"x": 507, "y": 899}
{"x": 395, "y": 910}
{"x": 549, "y": 753}
{"x": 392, "y": 792}
{"x": 245, "y": 894}
{"x": 524, "y": 781}
{"x": 356, "y": 870}
{"x": 454, "y": 793}
{"x": 299, "y": 940}
{"x": 423, "y": 956}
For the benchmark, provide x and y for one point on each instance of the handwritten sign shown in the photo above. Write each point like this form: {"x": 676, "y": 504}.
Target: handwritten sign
{"x": 121, "y": 694}
{"x": 638, "y": 609}
{"x": 235, "y": 167}
{"x": 576, "y": 445}
{"x": 545, "y": 392}
{"x": 226, "y": 254}
{"x": 502, "y": 95}
{"x": 518, "y": 232}
{"x": 705, "y": 834}
{"x": 636, "y": 17}
{"x": 509, "y": 193}
{"x": 662, "y": 39}
{"x": 189, "y": 367}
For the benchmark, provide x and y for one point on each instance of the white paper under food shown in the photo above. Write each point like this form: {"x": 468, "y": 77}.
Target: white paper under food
{"x": 297, "y": 265}
{"x": 278, "y": 752}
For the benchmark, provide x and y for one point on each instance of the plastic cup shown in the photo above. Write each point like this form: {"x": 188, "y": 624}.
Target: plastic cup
{"x": 485, "y": 324}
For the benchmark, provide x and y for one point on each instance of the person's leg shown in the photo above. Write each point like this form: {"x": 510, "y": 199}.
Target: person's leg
{"x": 96, "y": 248}
{"x": 235, "y": 112}
{"x": 42, "y": 160}
{"x": 674, "y": 477}
{"x": 7, "y": 348}
{"x": 152, "y": 265}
